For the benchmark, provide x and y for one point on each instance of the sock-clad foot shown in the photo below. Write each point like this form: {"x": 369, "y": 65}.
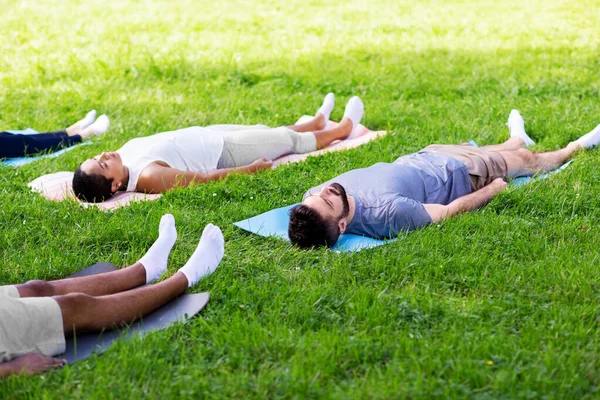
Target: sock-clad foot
{"x": 354, "y": 112}
{"x": 591, "y": 139}
{"x": 100, "y": 126}
{"x": 516, "y": 125}
{"x": 155, "y": 260}
{"x": 325, "y": 110}
{"x": 206, "y": 257}
{"x": 87, "y": 120}
{"x": 78, "y": 126}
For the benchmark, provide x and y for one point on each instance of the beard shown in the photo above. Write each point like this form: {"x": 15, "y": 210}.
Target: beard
{"x": 341, "y": 192}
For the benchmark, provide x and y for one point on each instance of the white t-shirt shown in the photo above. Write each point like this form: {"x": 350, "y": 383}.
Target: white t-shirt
{"x": 192, "y": 149}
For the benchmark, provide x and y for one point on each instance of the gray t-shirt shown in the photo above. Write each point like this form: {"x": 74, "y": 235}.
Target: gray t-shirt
{"x": 390, "y": 196}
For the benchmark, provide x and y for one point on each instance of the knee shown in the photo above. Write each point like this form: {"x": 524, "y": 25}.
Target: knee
{"x": 76, "y": 309}
{"x": 302, "y": 142}
{"x": 528, "y": 157}
{"x": 39, "y": 288}
{"x": 75, "y": 303}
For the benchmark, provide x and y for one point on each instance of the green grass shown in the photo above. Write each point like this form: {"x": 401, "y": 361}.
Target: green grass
{"x": 501, "y": 303}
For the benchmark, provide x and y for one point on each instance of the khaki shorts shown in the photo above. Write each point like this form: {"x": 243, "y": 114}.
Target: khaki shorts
{"x": 29, "y": 325}
{"x": 483, "y": 166}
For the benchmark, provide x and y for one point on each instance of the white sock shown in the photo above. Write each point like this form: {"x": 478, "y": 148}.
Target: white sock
{"x": 516, "y": 125}
{"x": 155, "y": 260}
{"x": 101, "y": 125}
{"x": 591, "y": 139}
{"x": 87, "y": 120}
{"x": 354, "y": 111}
{"x": 327, "y": 107}
{"x": 206, "y": 257}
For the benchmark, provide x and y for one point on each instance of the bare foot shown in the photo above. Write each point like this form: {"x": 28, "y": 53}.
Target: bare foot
{"x": 34, "y": 363}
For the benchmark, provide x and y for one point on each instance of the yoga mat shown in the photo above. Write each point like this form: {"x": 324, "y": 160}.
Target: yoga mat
{"x": 17, "y": 162}
{"x": 79, "y": 347}
{"x": 275, "y": 222}
{"x": 58, "y": 186}
{"x": 95, "y": 269}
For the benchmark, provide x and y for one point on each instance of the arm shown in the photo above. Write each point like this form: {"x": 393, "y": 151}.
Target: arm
{"x": 29, "y": 364}
{"x": 157, "y": 178}
{"x": 470, "y": 202}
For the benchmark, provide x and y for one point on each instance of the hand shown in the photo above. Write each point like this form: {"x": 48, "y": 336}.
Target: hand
{"x": 260, "y": 164}
{"x": 498, "y": 185}
{"x": 35, "y": 363}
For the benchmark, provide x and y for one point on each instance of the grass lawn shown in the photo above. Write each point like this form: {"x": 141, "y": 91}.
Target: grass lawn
{"x": 500, "y": 303}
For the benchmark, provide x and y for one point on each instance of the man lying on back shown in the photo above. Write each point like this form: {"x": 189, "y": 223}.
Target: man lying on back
{"x": 436, "y": 183}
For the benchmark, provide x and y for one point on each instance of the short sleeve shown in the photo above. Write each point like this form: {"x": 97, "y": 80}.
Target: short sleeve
{"x": 404, "y": 214}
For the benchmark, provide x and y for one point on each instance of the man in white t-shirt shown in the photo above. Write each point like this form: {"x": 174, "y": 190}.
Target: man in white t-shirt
{"x": 160, "y": 162}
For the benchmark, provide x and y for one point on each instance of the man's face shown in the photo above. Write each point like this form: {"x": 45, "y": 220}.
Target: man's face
{"x": 108, "y": 165}
{"x": 331, "y": 202}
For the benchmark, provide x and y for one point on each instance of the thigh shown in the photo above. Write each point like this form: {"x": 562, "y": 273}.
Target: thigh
{"x": 243, "y": 147}
{"x": 233, "y": 127}
{"x": 30, "y": 325}
{"x": 519, "y": 162}
{"x": 483, "y": 166}
{"x": 9, "y": 291}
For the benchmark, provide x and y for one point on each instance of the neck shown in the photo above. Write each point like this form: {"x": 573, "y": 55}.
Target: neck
{"x": 125, "y": 177}
{"x": 352, "y": 208}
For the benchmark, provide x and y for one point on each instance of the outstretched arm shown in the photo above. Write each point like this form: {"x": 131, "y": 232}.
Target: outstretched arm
{"x": 29, "y": 364}
{"x": 158, "y": 178}
{"x": 470, "y": 202}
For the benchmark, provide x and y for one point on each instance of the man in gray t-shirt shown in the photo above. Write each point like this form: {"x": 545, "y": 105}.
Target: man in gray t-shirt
{"x": 436, "y": 183}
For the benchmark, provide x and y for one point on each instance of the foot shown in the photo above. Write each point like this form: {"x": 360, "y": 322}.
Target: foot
{"x": 516, "y": 125}
{"x": 354, "y": 112}
{"x": 78, "y": 126}
{"x": 324, "y": 112}
{"x": 591, "y": 139}
{"x": 207, "y": 256}
{"x": 155, "y": 260}
{"x": 97, "y": 128}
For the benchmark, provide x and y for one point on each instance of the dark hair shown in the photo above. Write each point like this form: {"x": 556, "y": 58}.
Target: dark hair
{"x": 91, "y": 188}
{"x": 308, "y": 228}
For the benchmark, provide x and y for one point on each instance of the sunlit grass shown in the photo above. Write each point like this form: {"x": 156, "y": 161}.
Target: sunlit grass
{"x": 498, "y": 303}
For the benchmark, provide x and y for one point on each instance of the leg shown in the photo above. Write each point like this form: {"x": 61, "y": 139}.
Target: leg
{"x": 243, "y": 147}
{"x": 341, "y": 132}
{"x": 518, "y": 137}
{"x": 319, "y": 122}
{"x": 149, "y": 268}
{"x": 523, "y": 162}
{"x": 352, "y": 116}
{"x": 95, "y": 285}
{"x": 82, "y": 312}
{"x": 78, "y": 126}
{"x": 12, "y": 146}
{"x": 514, "y": 143}
{"x": 234, "y": 127}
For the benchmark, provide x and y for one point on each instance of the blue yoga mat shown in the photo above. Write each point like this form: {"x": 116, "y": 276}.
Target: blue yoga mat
{"x": 275, "y": 222}
{"x": 17, "y": 162}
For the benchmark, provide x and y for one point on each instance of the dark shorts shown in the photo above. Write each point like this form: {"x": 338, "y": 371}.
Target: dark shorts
{"x": 483, "y": 166}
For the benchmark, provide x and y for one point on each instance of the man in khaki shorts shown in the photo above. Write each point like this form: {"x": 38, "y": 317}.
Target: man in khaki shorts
{"x": 36, "y": 316}
{"x": 433, "y": 184}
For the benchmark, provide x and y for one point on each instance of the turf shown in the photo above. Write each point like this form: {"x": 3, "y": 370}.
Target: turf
{"x": 501, "y": 303}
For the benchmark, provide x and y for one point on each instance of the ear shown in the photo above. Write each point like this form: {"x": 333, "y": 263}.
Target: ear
{"x": 342, "y": 225}
{"x": 115, "y": 186}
